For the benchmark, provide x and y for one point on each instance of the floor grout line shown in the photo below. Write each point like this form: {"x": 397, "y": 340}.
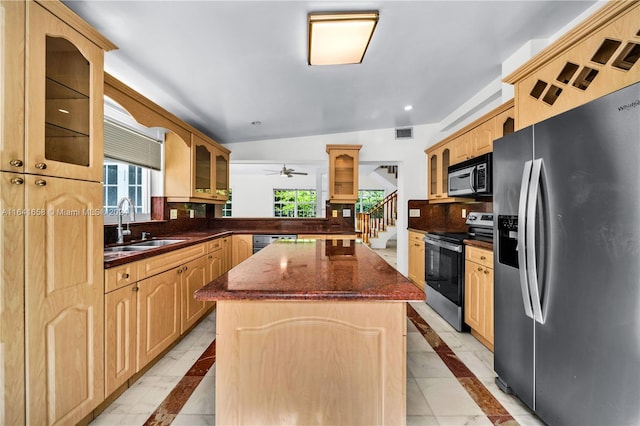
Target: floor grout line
{"x": 490, "y": 406}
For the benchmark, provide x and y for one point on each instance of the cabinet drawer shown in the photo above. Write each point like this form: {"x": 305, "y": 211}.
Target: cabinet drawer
{"x": 481, "y": 256}
{"x": 120, "y": 276}
{"x": 416, "y": 237}
{"x": 215, "y": 245}
{"x": 164, "y": 262}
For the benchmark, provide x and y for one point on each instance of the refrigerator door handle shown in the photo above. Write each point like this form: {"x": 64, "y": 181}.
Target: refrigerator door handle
{"x": 522, "y": 252}
{"x": 532, "y": 261}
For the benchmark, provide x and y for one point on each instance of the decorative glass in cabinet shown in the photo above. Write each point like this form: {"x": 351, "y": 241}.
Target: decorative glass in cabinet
{"x": 67, "y": 103}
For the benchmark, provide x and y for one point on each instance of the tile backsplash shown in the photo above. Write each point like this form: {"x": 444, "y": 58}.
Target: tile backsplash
{"x": 443, "y": 217}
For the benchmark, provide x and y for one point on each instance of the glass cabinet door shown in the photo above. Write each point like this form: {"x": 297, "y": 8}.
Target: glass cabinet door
{"x": 344, "y": 175}
{"x": 65, "y": 100}
{"x": 202, "y": 170}
{"x": 222, "y": 176}
{"x": 66, "y": 134}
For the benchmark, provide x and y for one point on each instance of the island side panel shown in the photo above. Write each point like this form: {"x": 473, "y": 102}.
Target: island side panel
{"x": 301, "y": 362}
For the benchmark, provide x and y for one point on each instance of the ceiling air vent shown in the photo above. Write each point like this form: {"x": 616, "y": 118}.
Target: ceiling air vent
{"x": 404, "y": 132}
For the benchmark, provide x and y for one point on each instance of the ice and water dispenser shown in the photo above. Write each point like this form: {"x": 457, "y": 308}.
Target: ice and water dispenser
{"x": 508, "y": 240}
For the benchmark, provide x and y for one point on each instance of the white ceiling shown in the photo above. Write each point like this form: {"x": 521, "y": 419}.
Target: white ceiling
{"x": 219, "y": 65}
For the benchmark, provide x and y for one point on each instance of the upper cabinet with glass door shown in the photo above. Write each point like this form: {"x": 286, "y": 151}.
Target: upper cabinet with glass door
{"x": 197, "y": 172}
{"x": 64, "y": 79}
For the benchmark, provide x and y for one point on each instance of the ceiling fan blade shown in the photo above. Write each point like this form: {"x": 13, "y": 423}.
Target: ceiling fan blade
{"x": 298, "y": 173}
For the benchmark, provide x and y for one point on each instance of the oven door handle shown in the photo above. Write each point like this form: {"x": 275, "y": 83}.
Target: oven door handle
{"x": 443, "y": 244}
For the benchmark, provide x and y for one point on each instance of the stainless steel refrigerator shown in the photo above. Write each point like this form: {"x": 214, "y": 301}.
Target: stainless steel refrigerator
{"x": 567, "y": 263}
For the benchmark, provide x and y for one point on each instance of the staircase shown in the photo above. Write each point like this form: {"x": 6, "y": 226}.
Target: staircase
{"x": 377, "y": 226}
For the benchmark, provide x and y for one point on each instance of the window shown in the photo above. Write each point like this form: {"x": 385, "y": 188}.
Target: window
{"x": 226, "y": 208}
{"x": 368, "y": 198}
{"x": 126, "y": 180}
{"x": 294, "y": 203}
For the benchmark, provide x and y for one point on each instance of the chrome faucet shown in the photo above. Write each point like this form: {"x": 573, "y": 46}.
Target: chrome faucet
{"x": 132, "y": 217}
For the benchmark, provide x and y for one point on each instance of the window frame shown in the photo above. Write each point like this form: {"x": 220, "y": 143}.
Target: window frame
{"x": 311, "y": 206}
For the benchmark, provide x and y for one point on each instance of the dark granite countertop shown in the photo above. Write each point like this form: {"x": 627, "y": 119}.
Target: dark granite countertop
{"x": 116, "y": 258}
{"x": 480, "y": 244}
{"x": 312, "y": 270}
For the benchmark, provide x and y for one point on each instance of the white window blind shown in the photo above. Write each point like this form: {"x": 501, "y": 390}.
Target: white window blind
{"x": 124, "y": 144}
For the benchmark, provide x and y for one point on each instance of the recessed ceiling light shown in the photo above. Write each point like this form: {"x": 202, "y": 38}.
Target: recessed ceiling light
{"x": 408, "y": 107}
{"x": 340, "y": 38}
{"x": 256, "y": 123}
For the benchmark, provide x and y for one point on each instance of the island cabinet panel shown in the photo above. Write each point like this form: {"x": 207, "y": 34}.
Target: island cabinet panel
{"x": 158, "y": 314}
{"x": 303, "y": 362}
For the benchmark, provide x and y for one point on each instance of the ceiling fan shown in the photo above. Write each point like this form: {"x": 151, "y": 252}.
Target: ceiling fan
{"x": 286, "y": 172}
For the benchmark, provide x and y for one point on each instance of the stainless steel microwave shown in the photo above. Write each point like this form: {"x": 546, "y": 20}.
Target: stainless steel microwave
{"x": 471, "y": 178}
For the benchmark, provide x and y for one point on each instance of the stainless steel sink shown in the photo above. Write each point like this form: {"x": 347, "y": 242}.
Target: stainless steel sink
{"x": 141, "y": 246}
{"x": 127, "y": 248}
{"x": 155, "y": 243}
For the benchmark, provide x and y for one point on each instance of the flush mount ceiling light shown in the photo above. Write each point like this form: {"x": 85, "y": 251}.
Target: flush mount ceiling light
{"x": 340, "y": 38}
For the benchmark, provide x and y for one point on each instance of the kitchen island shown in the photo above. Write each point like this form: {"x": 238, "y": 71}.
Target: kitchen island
{"x": 311, "y": 332}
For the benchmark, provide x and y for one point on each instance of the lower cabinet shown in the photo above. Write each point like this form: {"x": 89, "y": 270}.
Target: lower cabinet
{"x": 143, "y": 318}
{"x": 241, "y": 247}
{"x": 120, "y": 336}
{"x": 158, "y": 314}
{"x": 193, "y": 276}
{"x": 416, "y": 259}
{"x": 478, "y": 297}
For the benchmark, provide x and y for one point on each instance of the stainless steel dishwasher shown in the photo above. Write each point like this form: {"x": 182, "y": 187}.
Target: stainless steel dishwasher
{"x": 260, "y": 241}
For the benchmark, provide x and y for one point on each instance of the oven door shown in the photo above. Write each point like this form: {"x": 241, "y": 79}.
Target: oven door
{"x": 444, "y": 268}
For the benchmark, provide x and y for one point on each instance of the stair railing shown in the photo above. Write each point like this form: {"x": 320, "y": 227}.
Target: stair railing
{"x": 378, "y": 218}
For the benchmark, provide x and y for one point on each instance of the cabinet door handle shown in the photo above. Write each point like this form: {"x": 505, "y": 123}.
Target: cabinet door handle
{"x": 486, "y": 271}
{"x": 479, "y": 269}
{"x": 136, "y": 288}
{"x": 210, "y": 257}
{"x": 16, "y": 163}
{"x": 125, "y": 276}
{"x": 180, "y": 271}
{"x": 483, "y": 258}
{"x": 17, "y": 181}
{"x": 41, "y": 182}
{"x": 40, "y": 166}
{"x": 185, "y": 268}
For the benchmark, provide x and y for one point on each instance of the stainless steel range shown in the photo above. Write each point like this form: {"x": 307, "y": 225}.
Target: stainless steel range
{"x": 444, "y": 267}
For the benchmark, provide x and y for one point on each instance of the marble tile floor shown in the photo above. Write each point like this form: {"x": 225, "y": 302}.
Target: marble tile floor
{"x": 450, "y": 381}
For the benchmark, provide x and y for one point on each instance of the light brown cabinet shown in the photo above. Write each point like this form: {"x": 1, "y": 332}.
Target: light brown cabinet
{"x": 241, "y": 248}
{"x": 149, "y": 304}
{"x": 51, "y": 146}
{"x": 478, "y": 297}
{"x": 597, "y": 57}
{"x": 64, "y": 299}
{"x": 343, "y": 173}
{"x": 438, "y": 161}
{"x": 12, "y": 362}
{"x": 158, "y": 307}
{"x": 473, "y": 140}
{"x": 416, "y": 259}
{"x": 196, "y": 171}
{"x": 65, "y": 116}
{"x": 121, "y": 319}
